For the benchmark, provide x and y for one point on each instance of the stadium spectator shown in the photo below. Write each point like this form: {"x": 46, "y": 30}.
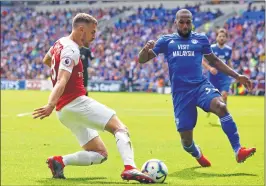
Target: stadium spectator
{"x": 26, "y": 35}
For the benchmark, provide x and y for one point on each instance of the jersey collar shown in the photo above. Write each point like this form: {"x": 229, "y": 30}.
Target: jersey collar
{"x": 176, "y": 33}
{"x": 219, "y": 46}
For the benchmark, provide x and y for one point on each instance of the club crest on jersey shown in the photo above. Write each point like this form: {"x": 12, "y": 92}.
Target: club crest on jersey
{"x": 194, "y": 41}
{"x": 67, "y": 62}
{"x": 226, "y": 53}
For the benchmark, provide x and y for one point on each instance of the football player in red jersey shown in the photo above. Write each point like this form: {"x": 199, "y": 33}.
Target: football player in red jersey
{"x": 79, "y": 113}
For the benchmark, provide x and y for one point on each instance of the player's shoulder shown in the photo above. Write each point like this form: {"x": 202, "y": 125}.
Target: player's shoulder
{"x": 214, "y": 45}
{"x": 70, "y": 49}
{"x": 198, "y": 38}
{"x": 227, "y": 47}
{"x": 197, "y": 35}
{"x": 168, "y": 37}
{"x": 69, "y": 44}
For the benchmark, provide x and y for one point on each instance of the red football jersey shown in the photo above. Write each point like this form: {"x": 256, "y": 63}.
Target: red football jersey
{"x": 62, "y": 53}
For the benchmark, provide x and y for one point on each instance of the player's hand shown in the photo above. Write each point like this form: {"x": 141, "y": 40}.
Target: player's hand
{"x": 245, "y": 81}
{"x": 43, "y": 112}
{"x": 149, "y": 45}
{"x": 213, "y": 71}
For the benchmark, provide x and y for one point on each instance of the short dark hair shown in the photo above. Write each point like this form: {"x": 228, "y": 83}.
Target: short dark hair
{"x": 183, "y": 11}
{"x": 221, "y": 30}
{"x": 83, "y": 18}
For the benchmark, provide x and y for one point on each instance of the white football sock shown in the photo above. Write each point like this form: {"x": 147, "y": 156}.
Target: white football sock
{"x": 83, "y": 158}
{"x": 125, "y": 148}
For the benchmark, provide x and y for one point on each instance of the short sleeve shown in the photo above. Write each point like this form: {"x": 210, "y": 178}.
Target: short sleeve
{"x": 71, "y": 53}
{"x": 160, "y": 46}
{"x": 206, "y": 47}
{"x": 65, "y": 64}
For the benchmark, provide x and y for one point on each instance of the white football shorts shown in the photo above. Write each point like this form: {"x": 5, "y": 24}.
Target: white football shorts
{"x": 84, "y": 116}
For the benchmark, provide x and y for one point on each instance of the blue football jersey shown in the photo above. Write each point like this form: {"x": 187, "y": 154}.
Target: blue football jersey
{"x": 184, "y": 57}
{"x": 225, "y": 55}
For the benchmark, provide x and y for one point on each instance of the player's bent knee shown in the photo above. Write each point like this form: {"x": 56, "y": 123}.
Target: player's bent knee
{"x": 186, "y": 142}
{"x": 115, "y": 125}
{"x": 225, "y": 98}
{"x": 221, "y": 109}
{"x": 224, "y": 94}
{"x": 186, "y": 137}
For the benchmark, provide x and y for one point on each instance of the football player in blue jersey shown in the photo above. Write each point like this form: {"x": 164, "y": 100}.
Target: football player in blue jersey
{"x": 220, "y": 80}
{"x": 190, "y": 89}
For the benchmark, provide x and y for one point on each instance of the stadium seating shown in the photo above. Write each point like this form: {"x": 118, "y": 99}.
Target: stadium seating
{"x": 116, "y": 48}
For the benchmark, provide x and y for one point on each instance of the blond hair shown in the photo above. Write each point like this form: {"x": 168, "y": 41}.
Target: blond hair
{"x": 83, "y": 18}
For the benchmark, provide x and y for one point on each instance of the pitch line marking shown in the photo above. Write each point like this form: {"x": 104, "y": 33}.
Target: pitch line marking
{"x": 24, "y": 114}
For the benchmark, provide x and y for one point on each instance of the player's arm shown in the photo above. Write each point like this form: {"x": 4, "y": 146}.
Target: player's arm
{"x": 146, "y": 53}
{"x": 69, "y": 58}
{"x": 208, "y": 67}
{"x": 62, "y": 79}
{"x": 221, "y": 66}
{"x": 48, "y": 58}
{"x": 152, "y": 49}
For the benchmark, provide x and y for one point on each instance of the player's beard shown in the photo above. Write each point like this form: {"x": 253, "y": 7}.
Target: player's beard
{"x": 221, "y": 43}
{"x": 184, "y": 35}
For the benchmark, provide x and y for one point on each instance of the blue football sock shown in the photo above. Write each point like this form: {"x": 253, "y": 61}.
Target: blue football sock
{"x": 193, "y": 150}
{"x": 230, "y": 129}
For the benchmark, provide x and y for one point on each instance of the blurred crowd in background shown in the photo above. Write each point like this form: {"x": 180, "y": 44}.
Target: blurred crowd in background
{"x": 26, "y": 35}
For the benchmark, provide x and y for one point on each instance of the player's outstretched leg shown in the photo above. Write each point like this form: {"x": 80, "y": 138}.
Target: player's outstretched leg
{"x": 116, "y": 127}
{"x": 94, "y": 153}
{"x": 224, "y": 92}
{"x": 229, "y": 127}
{"x": 189, "y": 146}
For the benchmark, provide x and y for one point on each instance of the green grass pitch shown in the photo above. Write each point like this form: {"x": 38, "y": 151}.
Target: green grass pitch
{"x": 26, "y": 143}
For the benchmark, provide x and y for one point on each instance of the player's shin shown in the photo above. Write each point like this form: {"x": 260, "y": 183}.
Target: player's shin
{"x": 84, "y": 158}
{"x": 125, "y": 148}
{"x": 192, "y": 149}
{"x": 230, "y": 129}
